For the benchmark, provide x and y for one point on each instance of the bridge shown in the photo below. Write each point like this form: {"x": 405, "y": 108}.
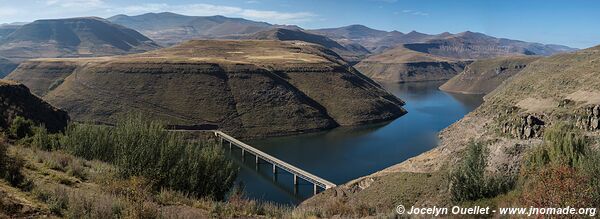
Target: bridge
{"x": 259, "y": 155}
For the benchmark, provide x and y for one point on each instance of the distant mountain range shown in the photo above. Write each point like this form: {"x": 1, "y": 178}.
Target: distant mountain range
{"x": 73, "y": 37}
{"x": 122, "y": 34}
{"x": 170, "y": 28}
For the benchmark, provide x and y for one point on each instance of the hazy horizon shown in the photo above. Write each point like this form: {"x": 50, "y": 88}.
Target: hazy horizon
{"x": 532, "y": 21}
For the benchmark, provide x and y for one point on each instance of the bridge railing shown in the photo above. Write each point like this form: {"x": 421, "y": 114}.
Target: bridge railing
{"x": 317, "y": 181}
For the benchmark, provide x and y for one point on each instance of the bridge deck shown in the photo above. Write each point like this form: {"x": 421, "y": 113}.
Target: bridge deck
{"x": 279, "y": 163}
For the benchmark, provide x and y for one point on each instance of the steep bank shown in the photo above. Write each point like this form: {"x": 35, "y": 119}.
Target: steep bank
{"x": 404, "y": 65}
{"x": 247, "y": 88}
{"x": 483, "y": 76}
{"x": 562, "y": 88}
{"x": 16, "y": 100}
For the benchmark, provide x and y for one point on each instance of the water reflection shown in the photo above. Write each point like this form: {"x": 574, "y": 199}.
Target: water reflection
{"x": 347, "y": 153}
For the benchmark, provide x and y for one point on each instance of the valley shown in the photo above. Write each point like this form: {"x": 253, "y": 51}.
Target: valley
{"x": 117, "y": 116}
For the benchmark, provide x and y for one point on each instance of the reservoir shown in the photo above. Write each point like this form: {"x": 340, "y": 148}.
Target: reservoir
{"x": 347, "y": 153}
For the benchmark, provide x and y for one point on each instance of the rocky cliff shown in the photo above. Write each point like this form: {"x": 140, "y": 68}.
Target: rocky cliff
{"x": 16, "y": 100}
{"x": 247, "y": 88}
{"x": 483, "y": 76}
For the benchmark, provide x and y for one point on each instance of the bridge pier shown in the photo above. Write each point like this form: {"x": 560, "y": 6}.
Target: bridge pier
{"x": 243, "y": 155}
{"x": 296, "y": 172}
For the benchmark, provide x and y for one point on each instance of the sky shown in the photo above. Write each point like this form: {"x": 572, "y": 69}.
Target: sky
{"x": 574, "y": 23}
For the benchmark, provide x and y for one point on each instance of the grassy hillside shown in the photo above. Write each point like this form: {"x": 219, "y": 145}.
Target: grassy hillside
{"x": 247, "y": 88}
{"x": 483, "y": 76}
{"x": 73, "y": 37}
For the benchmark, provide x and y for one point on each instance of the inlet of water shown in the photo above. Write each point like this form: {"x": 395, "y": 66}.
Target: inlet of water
{"x": 347, "y": 153}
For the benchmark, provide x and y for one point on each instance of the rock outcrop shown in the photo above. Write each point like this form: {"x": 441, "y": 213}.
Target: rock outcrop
{"x": 16, "y": 100}
{"x": 247, "y": 88}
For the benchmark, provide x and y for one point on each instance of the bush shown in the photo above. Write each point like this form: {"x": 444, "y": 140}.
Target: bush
{"x": 557, "y": 186}
{"x": 468, "y": 182}
{"x": 89, "y": 142}
{"x": 563, "y": 145}
{"x": 42, "y": 140}
{"x": 10, "y": 167}
{"x": 591, "y": 169}
{"x": 144, "y": 148}
{"x": 20, "y": 128}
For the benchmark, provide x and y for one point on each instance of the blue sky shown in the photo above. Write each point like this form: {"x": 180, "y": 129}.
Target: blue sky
{"x": 574, "y": 23}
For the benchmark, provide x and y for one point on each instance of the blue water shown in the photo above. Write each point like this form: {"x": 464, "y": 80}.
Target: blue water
{"x": 347, "y": 153}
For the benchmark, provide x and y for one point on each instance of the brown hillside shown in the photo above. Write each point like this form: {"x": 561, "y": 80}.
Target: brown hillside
{"x": 248, "y": 88}
{"x": 483, "y": 76}
{"x": 404, "y": 65}
{"x": 16, "y": 100}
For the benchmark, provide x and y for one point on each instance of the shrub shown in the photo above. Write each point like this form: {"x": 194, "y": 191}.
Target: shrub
{"x": 10, "y": 167}
{"x": 563, "y": 145}
{"x": 144, "y": 148}
{"x": 42, "y": 140}
{"x": 20, "y": 128}
{"x": 468, "y": 181}
{"x": 557, "y": 186}
{"x": 89, "y": 142}
{"x": 591, "y": 169}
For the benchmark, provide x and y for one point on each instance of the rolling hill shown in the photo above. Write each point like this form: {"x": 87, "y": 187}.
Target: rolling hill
{"x": 170, "y": 28}
{"x": 247, "y": 88}
{"x": 72, "y": 37}
{"x": 351, "y": 53}
{"x": 401, "y": 64}
{"x": 483, "y": 76}
{"x": 443, "y": 58}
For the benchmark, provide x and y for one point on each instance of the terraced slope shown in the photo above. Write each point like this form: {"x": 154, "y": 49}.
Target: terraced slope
{"x": 247, "y": 88}
{"x": 404, "y": 65}
{"x": 483, "y": 76}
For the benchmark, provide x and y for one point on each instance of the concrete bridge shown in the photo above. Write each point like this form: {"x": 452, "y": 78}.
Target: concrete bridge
{"x": 277, "y": 164}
